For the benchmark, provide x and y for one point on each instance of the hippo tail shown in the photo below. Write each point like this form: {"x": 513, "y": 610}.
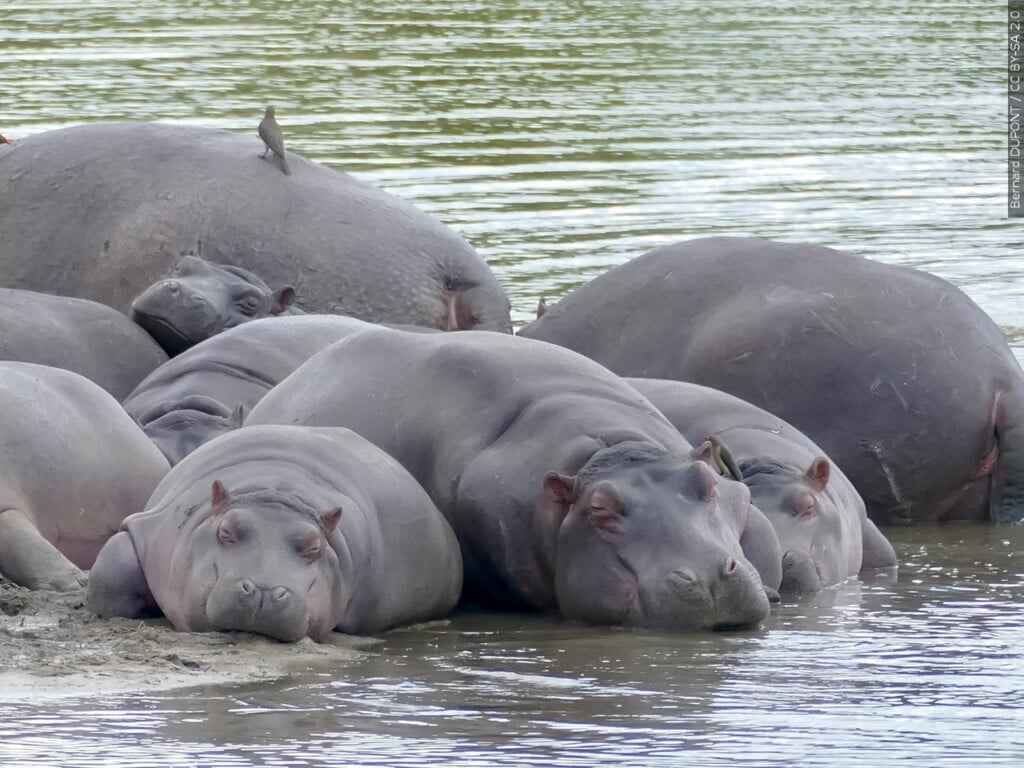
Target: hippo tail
{"x": 1006, "y": 501}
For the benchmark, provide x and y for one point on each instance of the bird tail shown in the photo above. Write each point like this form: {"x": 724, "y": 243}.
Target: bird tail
{"x": 284, "y": 166}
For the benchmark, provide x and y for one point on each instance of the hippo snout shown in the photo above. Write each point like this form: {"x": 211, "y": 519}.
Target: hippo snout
{"x": 275, "y": 611}
{"x": 800, "y": 574}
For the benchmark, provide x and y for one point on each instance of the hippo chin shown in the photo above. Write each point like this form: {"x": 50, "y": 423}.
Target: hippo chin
{"x": 199, "y": 300}
{"x": 567, "y": 490}
{"x": 286, "y": 532}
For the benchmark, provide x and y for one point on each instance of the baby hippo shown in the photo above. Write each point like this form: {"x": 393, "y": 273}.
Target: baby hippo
{"x": 200, "y": 299}
{"x": 283, "y": 531}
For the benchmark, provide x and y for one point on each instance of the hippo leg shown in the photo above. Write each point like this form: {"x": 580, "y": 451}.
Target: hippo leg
{"x": 1006, "y": 504}
{"x": 26, "y": 558}
{"x": 878, "y": 552}
{"x": 761, "y": 547}
{"x": 117, "y": 584}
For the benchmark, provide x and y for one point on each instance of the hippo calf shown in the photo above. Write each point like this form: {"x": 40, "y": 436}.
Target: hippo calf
{"x": 567, "y": 490}
{"x": 83, "y": 336}
{"x": 73, "y": 465}
{"x": 820, "y": 518}
{"x": 282, "y": 531}
{"x": 200, "y": 299}
{"x": 904, "y": 381}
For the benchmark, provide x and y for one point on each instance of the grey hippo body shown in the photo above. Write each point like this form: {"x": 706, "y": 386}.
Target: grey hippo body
{"x": 73, "y": 465}
{"x": 86, "y": 337}
{"x": 902, "y": 379}
{"x": 567, "y": 490}
{"x": 283, "y": 531}
{"x": 102, "y": 211}
{"x": 820, "y": 518}
{"x": 205, "y": 391}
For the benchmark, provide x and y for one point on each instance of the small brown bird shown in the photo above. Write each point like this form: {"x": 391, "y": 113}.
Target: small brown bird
{"x": 5, "y": 140}
{"x": 273, "y": 137}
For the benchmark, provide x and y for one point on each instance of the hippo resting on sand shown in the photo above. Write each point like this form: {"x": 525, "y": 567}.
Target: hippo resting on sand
{"x": 286, "y": 532}
{"x": 101, "y": 211}
{"x": 567, "y": 490}
{"x": 88, "y": 338}
{"x": 904, "y": 382}
{"x": 823, "y": 528}
{"x": 205, "y": 391}
{"x": 73, "y": 465}
{"x": 199, "y": 300}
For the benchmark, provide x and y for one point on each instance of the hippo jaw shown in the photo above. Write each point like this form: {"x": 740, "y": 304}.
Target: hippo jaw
{"x": 241, "y": 604}
{"x": 171, "y": 338}
{"x": 175, "y": 328}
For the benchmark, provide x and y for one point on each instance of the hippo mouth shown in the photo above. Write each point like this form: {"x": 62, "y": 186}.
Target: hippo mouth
{"x": 165, "y": 334}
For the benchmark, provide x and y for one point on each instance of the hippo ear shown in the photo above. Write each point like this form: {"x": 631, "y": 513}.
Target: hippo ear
{"x": 237, "y": 417}
{"x": 705, "y": 452}
{"x": 561, "y": 489}
{"x": 605, "y": 509}
{"x": 542, "y": 307}
{"x": 818, "y": 473}
{"x": 283, "y": 298}
{"x": 329, "y": 520}
{"x": 460, "y": 313}
{"x": 705, "y": 480}
{"x": 220, "y": 498}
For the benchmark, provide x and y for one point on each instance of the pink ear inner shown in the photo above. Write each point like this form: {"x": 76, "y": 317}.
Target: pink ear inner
{"x": 819, "y": 473}
{"x": 220, "y": 498}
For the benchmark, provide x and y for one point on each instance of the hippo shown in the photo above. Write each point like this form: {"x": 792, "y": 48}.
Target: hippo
{"x": 206, "y": 390}
{"x": 567, "y": 490}
{"x": 287, "y": 532}
{"x": 820, "y": 518}
{"x": 101, "y": 211}
{"x": 83, "y": 336}
{"x": 200, "y": 299}
{"x": 904, "y": 382}
{"x": 74, "y": 465}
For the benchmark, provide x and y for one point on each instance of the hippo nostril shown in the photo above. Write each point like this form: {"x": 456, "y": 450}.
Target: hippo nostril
{"x": 247, "y": 586}
{"x": 279, "y": 593}
{"x": 685, "y": 575}
{"x": 730, "y": 566}
{"x": 173, "y": 287}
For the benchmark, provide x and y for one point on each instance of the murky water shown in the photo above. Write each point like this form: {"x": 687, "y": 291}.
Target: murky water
{"x": 561, "y": 139}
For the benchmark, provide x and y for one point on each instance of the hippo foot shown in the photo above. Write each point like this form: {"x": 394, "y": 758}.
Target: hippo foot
{"x": 67, "y": 581}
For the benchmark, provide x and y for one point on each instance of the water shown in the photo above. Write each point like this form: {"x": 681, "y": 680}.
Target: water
{"x": 562, "y": 139}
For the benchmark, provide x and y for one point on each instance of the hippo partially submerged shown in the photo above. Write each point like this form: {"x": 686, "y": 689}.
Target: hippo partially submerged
{"x": 88, "y": 338}
{"x": 283, "y": 531}
{"x": 567, "y": 490}
{"x": 101, "y": 211}
{"x": 200, "y": 299}
{"x": 820, "y": 518}
{"x": 902, "y": 379}
{"x": 73, "y": 465}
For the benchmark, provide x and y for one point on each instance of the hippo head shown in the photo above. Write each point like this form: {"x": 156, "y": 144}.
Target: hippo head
{"x": 648, "y": 540}
{"x": 263, "y": 562}
{"x": 200, "y": 299}
{"x": 180, "y": 427}
{"x": 820, "y": 546}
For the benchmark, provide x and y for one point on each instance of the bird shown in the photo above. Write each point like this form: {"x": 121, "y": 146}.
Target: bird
{"x": 723, "y": 458}
{"x": 273, "y": 137}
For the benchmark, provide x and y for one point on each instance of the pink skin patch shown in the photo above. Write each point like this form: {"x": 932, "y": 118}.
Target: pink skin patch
{"x": 988, "y": 464}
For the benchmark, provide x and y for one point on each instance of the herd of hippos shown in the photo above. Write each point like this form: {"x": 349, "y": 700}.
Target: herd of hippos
{"x": 227, "y": 398}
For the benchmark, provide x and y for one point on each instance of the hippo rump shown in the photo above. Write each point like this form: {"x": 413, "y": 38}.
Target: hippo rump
{"x": 88, "y": 338}
{"x": 73, "y": 465}
{"x": 820, "y": 518}
{"x": 101, "y": 211}
{"x": 206, "y": 390}
{"x": 200, "y": 299}
{"x": 567, "y": 490}
{"x": 283, "y": 531}
{"x": 904, "y": 381}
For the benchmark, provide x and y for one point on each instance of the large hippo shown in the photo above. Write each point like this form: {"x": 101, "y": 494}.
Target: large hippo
{"x": 73, "y": 465}
{"x": 101, "y": 211}
{"x": 200, "y": 299}
{"x": 283, "y": 531}
{"x": 205, "y": 391}
{"x": 903, "y": 381}
{"x": 567, "y": 490}
{"x": 820, "y": 518}
{"x": 88, "y": 338}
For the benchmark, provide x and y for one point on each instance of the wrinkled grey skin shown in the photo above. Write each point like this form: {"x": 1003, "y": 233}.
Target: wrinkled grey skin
{"x": 73, "y": 465}
{"x": 199, "y": 300}
{"x": 567, "y": 490}
{"x": 820, "y": 518}
{"x": 206, "y": 391}
{"x": 90, "y": 339}
{"x": 101, "y": 211}
{"x": 286, "y": 532}
{"x": 904, "y": 381}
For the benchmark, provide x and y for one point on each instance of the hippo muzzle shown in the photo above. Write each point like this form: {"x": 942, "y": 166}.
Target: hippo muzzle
{"x": 277, "y": 611}
{"x": 800, "y": 574}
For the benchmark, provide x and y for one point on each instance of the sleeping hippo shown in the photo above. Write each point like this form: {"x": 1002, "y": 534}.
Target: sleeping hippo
{"x": 567, "y": 490}
{"x": 903, "y": 380}
{"x": 283, "y": 531}
{"x": 88, "y": 338}
{"x": 820, "y": 518}
{"x": 200, "y": 299}
{"x": 73, "y": 465}
{"x": 101, "y": 211}
{"x": 206, "y": 390}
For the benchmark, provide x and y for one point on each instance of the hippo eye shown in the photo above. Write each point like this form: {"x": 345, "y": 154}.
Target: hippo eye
{"x": 226, "y": 535}
{"x": 249, "y": 305}
{"x": 310, "y": 548}
{"x": 804, "y": 506}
